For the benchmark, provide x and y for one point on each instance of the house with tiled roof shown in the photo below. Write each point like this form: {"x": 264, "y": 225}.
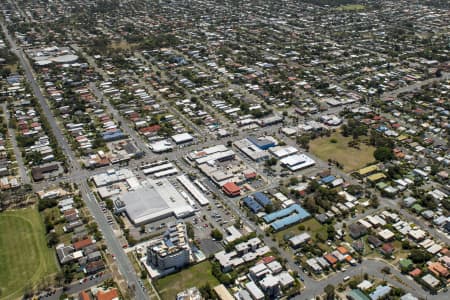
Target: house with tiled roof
{"x": 112, "y": 294}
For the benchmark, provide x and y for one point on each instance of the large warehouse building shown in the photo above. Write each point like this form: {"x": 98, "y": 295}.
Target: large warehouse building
{"x": 155, "y": 200}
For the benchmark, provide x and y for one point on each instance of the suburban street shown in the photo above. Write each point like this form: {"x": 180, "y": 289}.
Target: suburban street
{"x": 205, "y": 138}
{"x": 20, "y": 163}
{"x": 112, "y": 242}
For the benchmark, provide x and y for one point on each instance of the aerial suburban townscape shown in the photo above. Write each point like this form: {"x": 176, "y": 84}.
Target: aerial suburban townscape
{"x": 225, "y": 149}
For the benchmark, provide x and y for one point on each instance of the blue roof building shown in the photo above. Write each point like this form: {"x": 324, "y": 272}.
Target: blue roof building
{"x": 328, "y": 179}
{"x": 286, "y": 217}
{"x": 261, "y": 143}
{"x": 262, "y": 199}
{"x": 380, "y": 292}
{"x": 110, "y": 136}
{"x": 254, "y": 206}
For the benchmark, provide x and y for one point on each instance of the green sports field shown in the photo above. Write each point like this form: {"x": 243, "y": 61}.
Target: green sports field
{"x": 25, "y": 259}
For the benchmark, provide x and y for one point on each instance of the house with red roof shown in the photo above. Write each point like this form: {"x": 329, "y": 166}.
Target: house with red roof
{"x": 111, "y": 294}
{"x": 82, "y": 244}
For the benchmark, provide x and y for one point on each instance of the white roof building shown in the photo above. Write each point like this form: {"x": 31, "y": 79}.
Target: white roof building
{"x": 283, "y": 151}
{"x": 297, "y": 162}
{"x": 153, "y": 201}
{"x": 386, "y": 235}
{"x": 182, "y": 138}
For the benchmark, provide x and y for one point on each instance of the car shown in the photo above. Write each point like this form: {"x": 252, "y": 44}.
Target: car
{"x": 346, "y": 278}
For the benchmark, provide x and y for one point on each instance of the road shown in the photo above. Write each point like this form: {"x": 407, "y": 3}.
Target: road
{"x": 373, "y": 268}
{"x": 17, "y": 153}
{"x": 124, "y": 264}
{"x": 414, "y": 86}
{"x": 118, "y": 118}
{"x": 169, "y": 106}
{"x": 76, "y": 287}
{"x": 77, "y": 174}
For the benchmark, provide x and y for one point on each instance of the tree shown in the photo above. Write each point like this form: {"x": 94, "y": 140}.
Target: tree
{"x": 206, "y": 291}
{"x": 293, "y": 181}
{"x": 216, "y": 234}
{"x": 109, "y": 204}
{"x": 374, "y": 202}
{"x": 190, "y": 230}
{"x": 383, "y": 154}
{"x": 331, "y": 231}
{"x": 353, "y": 284}
{"x": 143, "y": 275}
{"x": 271, "y": 162}
{"x": 329, "y": 290}
{"x": 406, "y": 245}
{"x": 59, "y": 278}
{"x": 419, "y": 256}
{"x": 52, "y": 239}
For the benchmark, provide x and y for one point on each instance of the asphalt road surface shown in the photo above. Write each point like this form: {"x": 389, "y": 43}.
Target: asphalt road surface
{"x": 124, "y": 264}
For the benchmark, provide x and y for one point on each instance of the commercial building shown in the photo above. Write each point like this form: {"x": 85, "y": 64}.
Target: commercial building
{"x": 193, "y": 190}
{"x": 182, "y": 138}
{"x": 161, "y": 146}
{"x": 251, "y": 150}
{"x": 231, "y": 189}
{"x": 263, "y": 143}
{"x": 297, "y": 162}
{"x": 283, "y": 151}
{"x": 112, "y": 176}
{"x": 156, "y": 199}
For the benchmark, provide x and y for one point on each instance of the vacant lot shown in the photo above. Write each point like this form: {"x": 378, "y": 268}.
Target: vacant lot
{"x": 25, "y": 259}
{"x": 312, "y": 226}
{"x": 198, "y": 275}
{"x": 336, "y": 148}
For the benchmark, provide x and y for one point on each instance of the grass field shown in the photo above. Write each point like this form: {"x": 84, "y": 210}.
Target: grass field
{"x": 25, "y": 259}
{"x": 198, "y": 275}
{"x": 312, "y": 226}
{"x": 350, "y": 7}
{"x": 351, "y": 158}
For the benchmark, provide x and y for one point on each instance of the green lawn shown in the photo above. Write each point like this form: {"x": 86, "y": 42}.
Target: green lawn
{"x": 312, "y": 226}
{"x": 25, "y": 259}
{"x": 351, "y": 158}
{"x": 197, "y": 275}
